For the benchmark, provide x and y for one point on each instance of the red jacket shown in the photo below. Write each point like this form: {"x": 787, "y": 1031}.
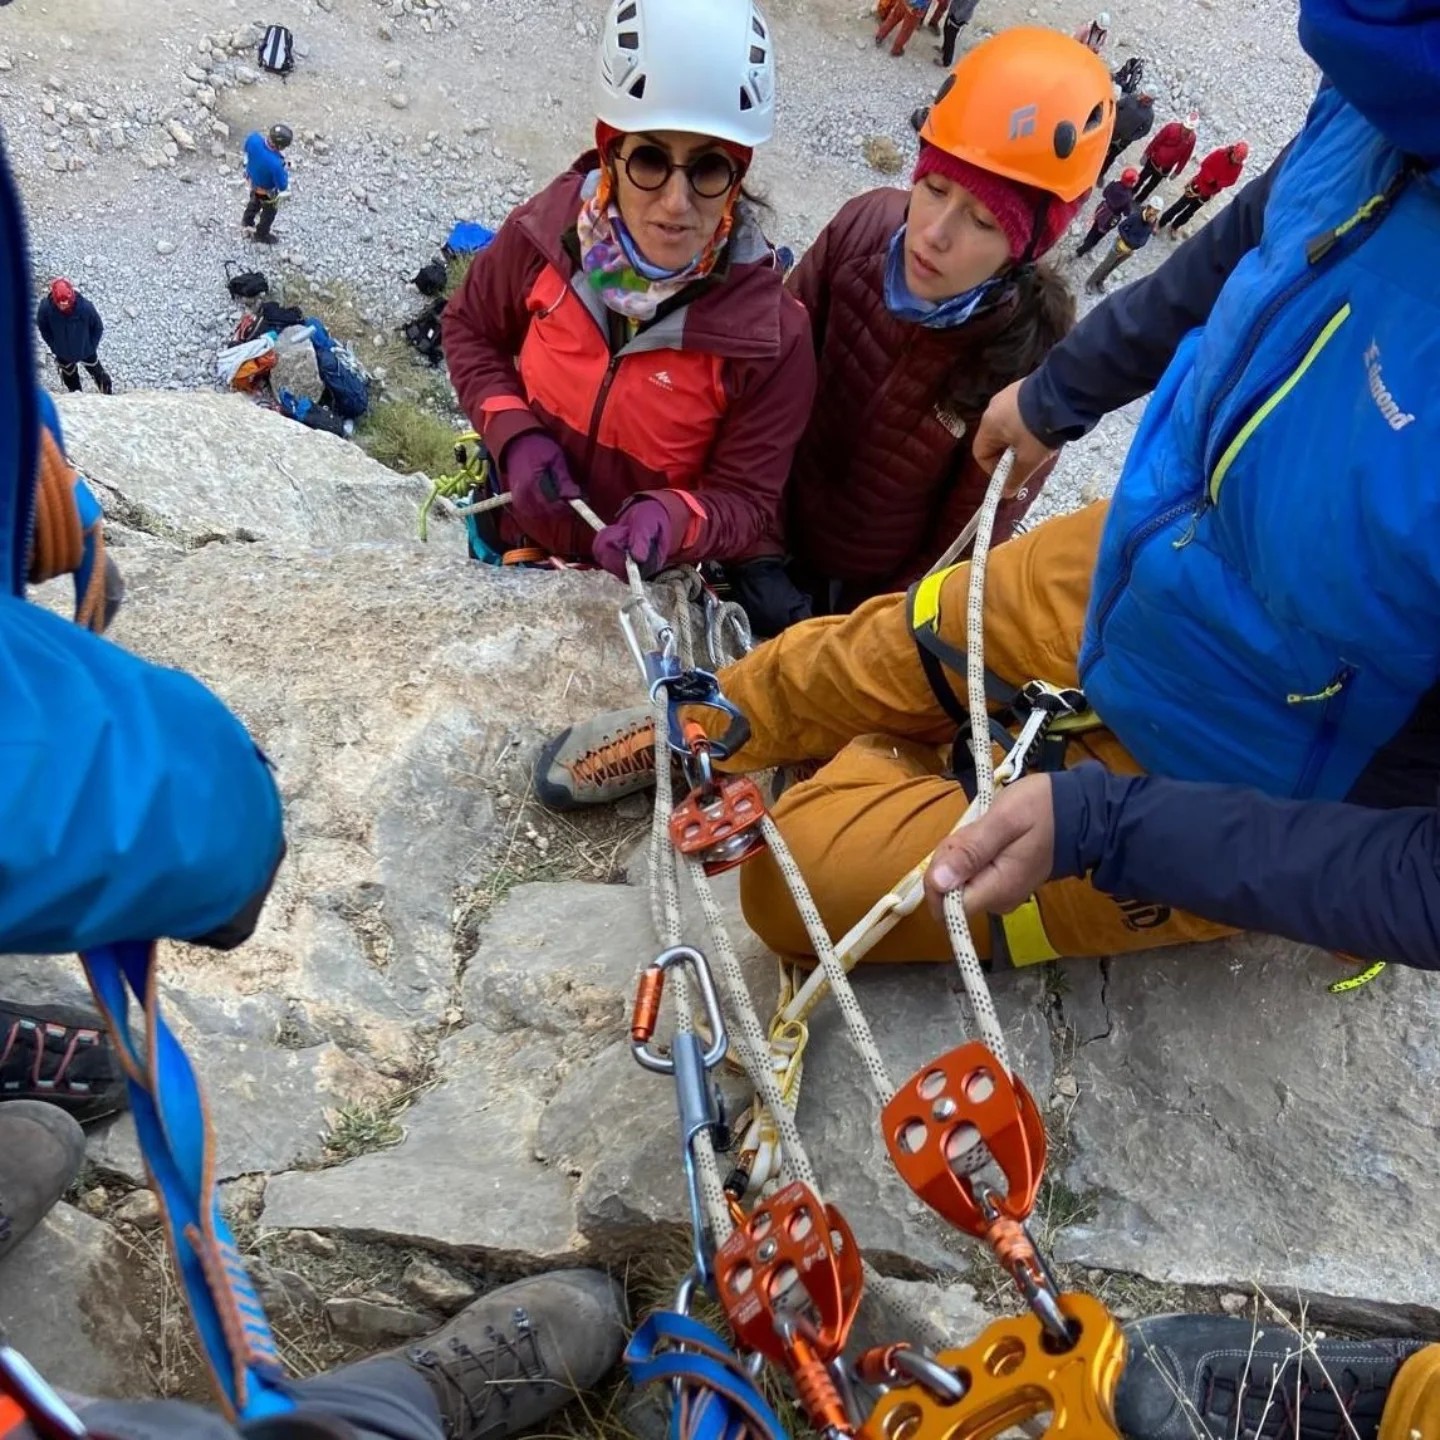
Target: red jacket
{"x": 1217, "y": 172}
{"x": 884, "y": 479}
{"x": 1169, "y": 152}
{"x": 701, "y": 409}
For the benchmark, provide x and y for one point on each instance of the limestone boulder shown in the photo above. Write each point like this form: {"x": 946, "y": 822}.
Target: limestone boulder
{"x": 192, "y": 467}
{"x": 396, "y": 689}
{"x": 71, "y": 1301}
{"x": 1236, "y": 1124}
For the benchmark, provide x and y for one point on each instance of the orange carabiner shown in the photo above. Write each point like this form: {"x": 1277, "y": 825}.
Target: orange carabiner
{"x": 964, "y": 1099}
{"x": 792, "y": 1264}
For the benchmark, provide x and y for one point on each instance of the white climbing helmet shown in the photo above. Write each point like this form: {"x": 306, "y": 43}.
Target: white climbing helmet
{"x": 1102, "y": 20}
{"x": 705, "y": 67}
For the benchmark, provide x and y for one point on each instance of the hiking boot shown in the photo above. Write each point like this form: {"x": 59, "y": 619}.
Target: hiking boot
{"x": 598, "y": 761}
{"x": 266, "y": 239}
{"x": 60, "y": 1054}
{"x": 522, "y": 1352}
{"x": 41, "y": 1151}
{"x": 1190, "y": 1377}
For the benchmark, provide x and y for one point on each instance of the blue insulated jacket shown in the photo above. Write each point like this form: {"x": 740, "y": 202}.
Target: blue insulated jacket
{"x": 1265, "y": 600}
{"x": 1135, "y": 231}
{"x": 265, "y": 168}
{"x": 135, "y": 806}
{"x": 71, "y": 338}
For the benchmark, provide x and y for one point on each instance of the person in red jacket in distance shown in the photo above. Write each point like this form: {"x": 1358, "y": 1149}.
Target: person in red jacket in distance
{"x": 1218, "y": 171}
{"x": 626, "y": 338}
{"x": 1167, "y": 154}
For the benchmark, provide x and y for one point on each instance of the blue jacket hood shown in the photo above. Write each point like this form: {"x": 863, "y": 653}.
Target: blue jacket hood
{"x": 1383, "y": 56}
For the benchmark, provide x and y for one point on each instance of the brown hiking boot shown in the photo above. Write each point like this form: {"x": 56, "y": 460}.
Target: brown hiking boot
{"x": 520, "y": 1353}
{"x": 598, "y": 761}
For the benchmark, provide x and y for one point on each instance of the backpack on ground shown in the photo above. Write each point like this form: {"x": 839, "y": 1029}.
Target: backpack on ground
{"x": 274, "y": 316}
{"x": 245, "y": 284}
{"x": 276, "y": 52}
{"x": 431, "y": 279}
{"x": 423, "y": 332}
{"x": 347, "y": 385}
{"x": 466, "y": 238}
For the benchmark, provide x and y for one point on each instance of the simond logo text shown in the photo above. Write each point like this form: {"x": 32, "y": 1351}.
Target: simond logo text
{"x": 1395, "y": 417}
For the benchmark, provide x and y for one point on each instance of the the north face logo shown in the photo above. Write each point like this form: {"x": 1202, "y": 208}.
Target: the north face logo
{"x": 1395, "y": 417}
{"x": 662, "y": 379}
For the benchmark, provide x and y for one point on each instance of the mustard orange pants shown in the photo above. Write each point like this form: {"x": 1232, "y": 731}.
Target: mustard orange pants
{"x": 849, "y": 690}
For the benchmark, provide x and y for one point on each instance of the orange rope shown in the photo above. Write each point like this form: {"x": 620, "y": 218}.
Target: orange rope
{"x": 58, "y": 544}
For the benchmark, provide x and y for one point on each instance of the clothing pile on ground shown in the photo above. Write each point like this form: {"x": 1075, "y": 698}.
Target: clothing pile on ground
{"x": 289, "y": 361}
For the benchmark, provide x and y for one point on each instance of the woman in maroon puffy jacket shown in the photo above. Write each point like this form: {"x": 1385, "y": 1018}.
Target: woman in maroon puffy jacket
{"x": 924, "y": 305}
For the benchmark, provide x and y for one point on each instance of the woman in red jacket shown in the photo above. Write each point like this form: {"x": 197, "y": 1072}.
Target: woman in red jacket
{"x": 626, "y": 338}
{"x": 1218, "y": 171}
{"x": 925, "y": 304}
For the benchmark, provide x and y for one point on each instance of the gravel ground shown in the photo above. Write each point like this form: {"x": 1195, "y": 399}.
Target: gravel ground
{"x": 410, "y": 114}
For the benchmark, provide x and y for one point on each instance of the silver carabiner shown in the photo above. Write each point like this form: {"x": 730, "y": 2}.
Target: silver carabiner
{"x": 647, "y": 1010}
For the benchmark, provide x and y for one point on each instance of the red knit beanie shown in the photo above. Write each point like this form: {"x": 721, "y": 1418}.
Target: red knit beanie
{"x": 1013, "y": 205}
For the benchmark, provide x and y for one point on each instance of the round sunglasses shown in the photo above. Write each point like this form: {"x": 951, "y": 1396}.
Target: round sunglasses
{"x": 710, "y": 175}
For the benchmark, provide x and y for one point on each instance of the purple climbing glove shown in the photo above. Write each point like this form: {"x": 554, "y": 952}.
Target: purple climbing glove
{"x": 535, "y": 472}
{"x": 644, "y": 531}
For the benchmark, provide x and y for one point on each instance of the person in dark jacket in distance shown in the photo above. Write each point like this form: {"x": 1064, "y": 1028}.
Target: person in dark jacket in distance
{"x": 1133, "y": 234}
{"x": 627, "y": 338}
{"x": 1167, "y": 154}
{"x": 923, "y": 305}
{"x": 1134, "y": 115}
{"x": 1218, "y": 171}
{"x": 71, "y": 328}
{"x": 1255, "y": 616}
{"x": 958, "y": 14}
{"x": 1116, "y": 202}
{"x": 1128, "y": 77}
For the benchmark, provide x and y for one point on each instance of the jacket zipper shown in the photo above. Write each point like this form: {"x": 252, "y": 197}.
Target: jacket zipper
{"x": 1332, "y": 699}
{"x": 1319, "y": 251}
{"x": 592, "y": 438}
{"x": 1268, "y": 396}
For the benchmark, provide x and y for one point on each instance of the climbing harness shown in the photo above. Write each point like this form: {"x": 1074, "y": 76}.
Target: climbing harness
{"x": 789, "y": 1273}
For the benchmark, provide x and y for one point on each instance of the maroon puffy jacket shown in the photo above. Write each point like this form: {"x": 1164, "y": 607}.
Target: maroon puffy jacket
{"x": 883, "y": 478}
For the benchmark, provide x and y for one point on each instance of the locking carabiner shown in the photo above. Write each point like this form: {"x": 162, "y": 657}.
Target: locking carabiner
{"x": 696, "y": 1097}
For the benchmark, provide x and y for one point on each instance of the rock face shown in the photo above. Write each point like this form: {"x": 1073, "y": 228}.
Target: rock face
{"x": 191, "y": 468}
{"x": 1237, "y": 1124}
{"x": 1232, "y": 1123}
{"x": 70, "y": 1304}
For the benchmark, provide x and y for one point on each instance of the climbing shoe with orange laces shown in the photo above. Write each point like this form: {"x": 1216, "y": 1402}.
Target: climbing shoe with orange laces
{"x": 598, "y": 761}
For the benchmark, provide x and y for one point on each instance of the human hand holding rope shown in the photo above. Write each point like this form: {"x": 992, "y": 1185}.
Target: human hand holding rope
{"x": 1000, "y": 859}
{"x": 1003, "y": 428}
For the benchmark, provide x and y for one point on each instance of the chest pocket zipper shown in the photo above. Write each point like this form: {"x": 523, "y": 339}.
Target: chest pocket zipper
{"x": 1266, "y": 408}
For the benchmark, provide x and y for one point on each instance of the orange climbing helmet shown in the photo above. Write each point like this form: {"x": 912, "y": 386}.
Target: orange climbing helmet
{"x": 1030, "y": 104}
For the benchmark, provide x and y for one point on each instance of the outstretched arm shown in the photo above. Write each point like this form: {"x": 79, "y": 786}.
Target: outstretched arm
{"x": 1343, "y": 877}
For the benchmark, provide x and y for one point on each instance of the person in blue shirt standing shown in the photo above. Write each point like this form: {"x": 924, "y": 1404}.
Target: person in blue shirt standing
{"x": 269, "y": 178}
